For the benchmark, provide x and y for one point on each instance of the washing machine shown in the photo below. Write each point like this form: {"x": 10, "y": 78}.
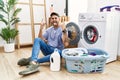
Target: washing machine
{"x": 96, "y": 30}
{"x": 92, "y": 30}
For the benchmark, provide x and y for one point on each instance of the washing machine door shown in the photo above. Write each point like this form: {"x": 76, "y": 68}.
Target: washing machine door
{"x": 90, "y": 34}
{"x": 73, "y": 33}
{"x": 90, "y": 37}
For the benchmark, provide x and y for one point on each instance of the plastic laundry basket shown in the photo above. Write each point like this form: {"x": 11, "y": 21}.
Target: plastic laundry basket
{"x": 79, "y": 61}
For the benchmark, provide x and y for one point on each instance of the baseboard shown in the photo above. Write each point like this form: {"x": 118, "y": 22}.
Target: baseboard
{"x": 1, "y": 49}
{"x": 118, "y": 57}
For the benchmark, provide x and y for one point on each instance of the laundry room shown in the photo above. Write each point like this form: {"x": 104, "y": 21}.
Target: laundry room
{"x": 47, "y": 39}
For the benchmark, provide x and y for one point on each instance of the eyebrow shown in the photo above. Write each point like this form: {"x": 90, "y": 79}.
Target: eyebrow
{"x": 54, "y": 18}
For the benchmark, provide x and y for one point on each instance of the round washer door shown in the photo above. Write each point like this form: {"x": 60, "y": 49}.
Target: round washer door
{"x": 73, "y": 33}
{"x": 90, "y": 34}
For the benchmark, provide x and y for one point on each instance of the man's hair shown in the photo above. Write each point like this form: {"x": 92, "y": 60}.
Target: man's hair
{"x": 54, "y": 13}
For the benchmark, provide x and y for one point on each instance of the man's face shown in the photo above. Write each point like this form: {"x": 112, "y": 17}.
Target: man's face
{"x": 54, "y": 20}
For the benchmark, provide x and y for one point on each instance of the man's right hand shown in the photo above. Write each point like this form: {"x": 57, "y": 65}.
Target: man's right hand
{"x": 45, "y": 40}
{"x": 42, "y": 24}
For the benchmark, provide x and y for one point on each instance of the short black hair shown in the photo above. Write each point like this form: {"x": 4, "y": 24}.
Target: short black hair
{"x": 54, "y": 13}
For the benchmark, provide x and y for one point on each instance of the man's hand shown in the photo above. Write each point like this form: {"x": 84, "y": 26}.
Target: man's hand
{"x": 62, "y": 25}
{"x": 42, "y": 24}
{"x": 64, "y": 35}
{"x": 46, "y": 41}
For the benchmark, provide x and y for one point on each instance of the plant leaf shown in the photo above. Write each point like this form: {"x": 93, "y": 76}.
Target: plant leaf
{"x": 3, "y": 20}
{"x": 2, "y": 9}
{"x": 1, "y": 16}
{"x": 5, "y": 34}
{"x": 16, "y": 21}
{"x": 13, "y": 19}
{"x": 13, "y": 33}
{"x": 11, "y": 4}
{"x": 9, "y": 34}
{"x": 17, "y": 11}
{"x": 1, "y": 3}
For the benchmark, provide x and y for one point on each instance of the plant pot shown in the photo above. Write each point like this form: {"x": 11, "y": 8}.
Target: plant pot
{"x": 9, "y": 47}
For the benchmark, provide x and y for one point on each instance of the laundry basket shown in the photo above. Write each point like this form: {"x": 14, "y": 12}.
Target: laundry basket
{"x": 79, "y": 60}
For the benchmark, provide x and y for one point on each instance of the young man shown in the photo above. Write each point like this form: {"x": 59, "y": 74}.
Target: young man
{"x": 54, "y": 37}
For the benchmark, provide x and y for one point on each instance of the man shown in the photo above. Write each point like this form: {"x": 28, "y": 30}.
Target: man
{"x": 54, "y": 37}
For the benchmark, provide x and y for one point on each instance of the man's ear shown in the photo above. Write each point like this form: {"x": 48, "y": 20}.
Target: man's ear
{"x": 59, "y": 19}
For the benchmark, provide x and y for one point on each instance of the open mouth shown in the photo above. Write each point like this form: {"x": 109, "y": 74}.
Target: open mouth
{"x": 54, "y": 23}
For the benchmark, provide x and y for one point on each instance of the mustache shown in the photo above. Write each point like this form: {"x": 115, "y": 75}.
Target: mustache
{"x": 55, "y": 22}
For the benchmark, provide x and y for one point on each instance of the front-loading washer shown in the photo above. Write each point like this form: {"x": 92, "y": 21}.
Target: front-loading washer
{"x": 96, "y": 30}
{"x": 92, "y": 30}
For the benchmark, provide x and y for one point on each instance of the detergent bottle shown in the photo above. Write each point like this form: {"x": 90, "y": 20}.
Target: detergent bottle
{"x": 55, "y": 61}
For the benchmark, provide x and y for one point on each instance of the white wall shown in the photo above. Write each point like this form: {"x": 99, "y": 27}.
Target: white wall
{"x": 58, "y": 5}
{"x": 76, "y": 7}
{"x": 119, "y": 44}
{"x": 92, "y": 6}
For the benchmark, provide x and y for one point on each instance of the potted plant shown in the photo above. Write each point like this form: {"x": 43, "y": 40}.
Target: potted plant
{"x": 8, "y": 17}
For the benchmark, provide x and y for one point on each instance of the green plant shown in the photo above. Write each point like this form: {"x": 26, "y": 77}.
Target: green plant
{"x": 8, "y": 15}
{"x": 8, "y": 34}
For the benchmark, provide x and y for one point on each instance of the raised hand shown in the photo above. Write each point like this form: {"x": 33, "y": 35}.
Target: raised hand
{"x": 62, "y": 25}
{"x": 42, "y": 24}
